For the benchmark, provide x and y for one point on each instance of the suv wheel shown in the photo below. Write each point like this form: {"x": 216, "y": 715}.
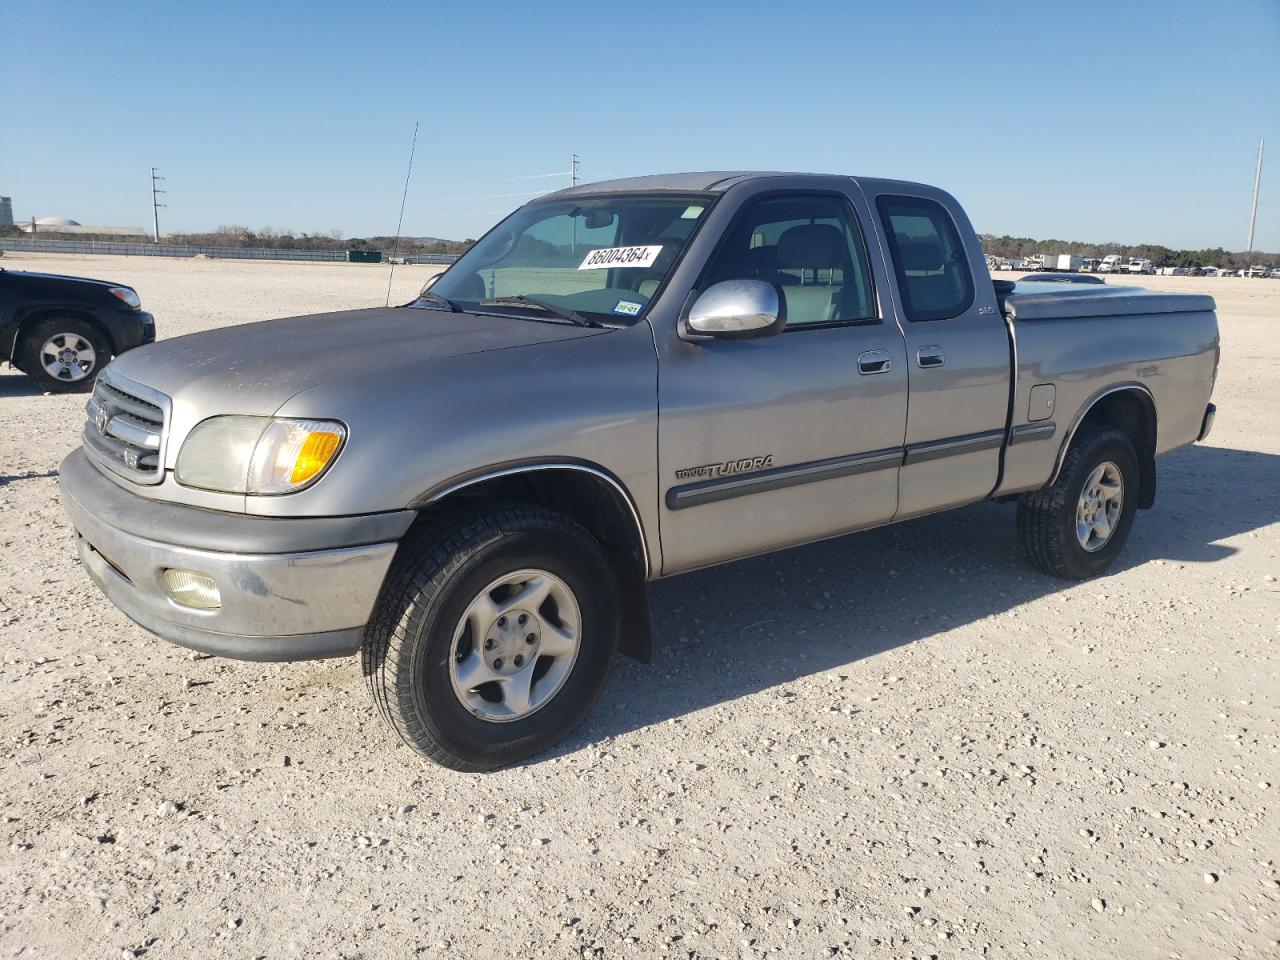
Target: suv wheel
{"x": 493, "y": 635}
{"x": 63, "y": 354}
{"x": 1075, "y": 527}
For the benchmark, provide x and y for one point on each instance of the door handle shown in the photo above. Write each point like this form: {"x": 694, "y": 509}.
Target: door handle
{"x": 930, "y": 356}
{"x": 874, "y": 361}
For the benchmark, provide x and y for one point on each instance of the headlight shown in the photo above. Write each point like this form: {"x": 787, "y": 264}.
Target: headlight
{"x": 258, "y": 455}
{"x": 128, "y": 295}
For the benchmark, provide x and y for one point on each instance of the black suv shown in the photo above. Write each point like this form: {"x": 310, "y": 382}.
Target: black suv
{"x": 61, "y": 331}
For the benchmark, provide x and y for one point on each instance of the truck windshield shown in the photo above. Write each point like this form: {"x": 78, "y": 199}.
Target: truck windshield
{"x": 602, "y": 258}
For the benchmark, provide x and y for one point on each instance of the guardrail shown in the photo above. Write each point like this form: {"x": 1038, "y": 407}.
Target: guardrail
{"x": 112, "y": 248}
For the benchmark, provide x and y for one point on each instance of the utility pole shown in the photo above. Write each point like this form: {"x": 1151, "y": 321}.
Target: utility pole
{"x": 155, "y": 203}
{"x": 573, "y": 182}
{"x": 1257, "y": 181}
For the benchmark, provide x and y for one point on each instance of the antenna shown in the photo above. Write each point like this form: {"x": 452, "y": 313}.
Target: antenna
{"x": 1257, "y": 181}
{"x": 395, "y": 250}
{"x": 155, "y": 202}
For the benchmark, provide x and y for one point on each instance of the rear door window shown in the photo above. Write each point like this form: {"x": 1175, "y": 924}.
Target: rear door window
{"x": 928, "y": 257}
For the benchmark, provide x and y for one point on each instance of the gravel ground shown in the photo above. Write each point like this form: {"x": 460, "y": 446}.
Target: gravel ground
{"x": 904, "y": 743}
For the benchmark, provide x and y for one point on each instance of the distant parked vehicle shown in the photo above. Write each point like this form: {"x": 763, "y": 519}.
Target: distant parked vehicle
{"x": 1111, "y": 263}
{"x": 1061, "y": 262}
{"x": 61, "y": 331}
{"x": 1061, "y": 278}
{"x": 1275, "y": 273}
{"x": 1089, "y": 265}
{"x": 1258, "y": 270}
{"x": 1139, "y": 265}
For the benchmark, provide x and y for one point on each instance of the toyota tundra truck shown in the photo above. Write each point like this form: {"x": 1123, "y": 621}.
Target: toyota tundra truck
{"x": 620, "y": 382}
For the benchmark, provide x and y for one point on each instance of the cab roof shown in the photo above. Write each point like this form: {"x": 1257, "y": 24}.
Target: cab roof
{"x": 714, "y": 181}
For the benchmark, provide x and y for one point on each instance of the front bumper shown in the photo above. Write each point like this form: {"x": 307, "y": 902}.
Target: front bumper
{"x": 290, "y": 589}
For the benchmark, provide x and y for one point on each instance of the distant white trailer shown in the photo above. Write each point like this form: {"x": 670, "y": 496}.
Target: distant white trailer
{"x": 1139, "y": 265}
{"x": 1062, "y": 263}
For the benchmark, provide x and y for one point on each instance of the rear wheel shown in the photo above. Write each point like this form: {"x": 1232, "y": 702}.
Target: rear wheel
{"x": 493, "y": 636}
{"x": 63, "y": 354}
{"x": 1075, "y": 527}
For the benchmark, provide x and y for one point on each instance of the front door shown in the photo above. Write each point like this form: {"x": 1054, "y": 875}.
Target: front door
{"x": 784, "y": 439}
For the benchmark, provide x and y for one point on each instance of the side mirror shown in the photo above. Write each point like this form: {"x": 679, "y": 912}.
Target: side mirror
{"x": 736, "y": 310}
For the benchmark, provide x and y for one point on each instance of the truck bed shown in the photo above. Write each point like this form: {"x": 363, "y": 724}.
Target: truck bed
{"x": 1022, "y": 303}
{"x": 1103, "y": 338}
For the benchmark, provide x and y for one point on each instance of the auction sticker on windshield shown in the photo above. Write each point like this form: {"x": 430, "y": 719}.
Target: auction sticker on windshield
{"x": 608, "y": 257}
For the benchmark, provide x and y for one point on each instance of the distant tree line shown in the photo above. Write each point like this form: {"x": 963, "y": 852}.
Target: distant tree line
{"x": 1021, "y": 247}
{"x": 1003, "y": 246}
{"x": 270, "y": 238}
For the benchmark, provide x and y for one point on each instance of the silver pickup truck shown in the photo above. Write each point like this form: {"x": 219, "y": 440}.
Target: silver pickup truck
{"x": 620, "y": 382}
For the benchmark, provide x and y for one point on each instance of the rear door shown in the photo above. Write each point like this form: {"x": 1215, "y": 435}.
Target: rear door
{"x": 958, "y": 356}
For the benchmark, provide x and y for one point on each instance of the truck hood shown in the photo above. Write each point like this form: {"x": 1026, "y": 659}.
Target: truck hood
{"x": 254, "y": 368}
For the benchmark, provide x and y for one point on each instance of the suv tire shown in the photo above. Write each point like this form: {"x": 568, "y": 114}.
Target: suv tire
{"x": 62, "y": 354}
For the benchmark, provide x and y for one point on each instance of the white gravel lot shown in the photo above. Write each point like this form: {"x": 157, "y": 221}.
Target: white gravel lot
{"x": 904, "y": 743}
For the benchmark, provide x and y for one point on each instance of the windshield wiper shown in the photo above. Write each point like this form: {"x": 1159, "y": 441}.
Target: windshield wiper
{"x": 442, "y": 301}
{"x": 564, "y": 313}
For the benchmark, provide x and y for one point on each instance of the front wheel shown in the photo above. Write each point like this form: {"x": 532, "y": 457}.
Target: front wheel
{"x": 1075, "y": 527}
{"x": 493, "y": 636}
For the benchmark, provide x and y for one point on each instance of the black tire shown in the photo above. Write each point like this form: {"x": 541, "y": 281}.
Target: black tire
{"x": 1047, "y": 518}
{"x": 440, "y": 567}
{"x": 29, "y": 356}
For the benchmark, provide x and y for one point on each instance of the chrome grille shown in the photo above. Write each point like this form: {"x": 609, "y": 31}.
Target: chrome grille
{"x": 125, "y": 431}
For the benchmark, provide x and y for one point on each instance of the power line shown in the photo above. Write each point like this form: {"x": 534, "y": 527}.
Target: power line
{"x": 531, "y": 176}
{"x": 493, "y": 196}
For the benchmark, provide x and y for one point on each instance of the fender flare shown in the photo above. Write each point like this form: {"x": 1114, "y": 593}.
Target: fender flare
{"x": 1088, "y": 405}
{"x": 449, "y": 487}
{"x": 636, "y": 639}
{"x": 29, "y": 313}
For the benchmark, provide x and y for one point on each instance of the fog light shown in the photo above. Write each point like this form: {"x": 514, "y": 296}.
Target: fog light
{"x": 191, "y": 589}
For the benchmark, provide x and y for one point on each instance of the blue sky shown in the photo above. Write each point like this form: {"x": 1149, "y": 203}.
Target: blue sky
{"x": 1122, "y": 121}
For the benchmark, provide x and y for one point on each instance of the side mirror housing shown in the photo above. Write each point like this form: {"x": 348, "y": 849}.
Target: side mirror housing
{"x": 735, "y": 310}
